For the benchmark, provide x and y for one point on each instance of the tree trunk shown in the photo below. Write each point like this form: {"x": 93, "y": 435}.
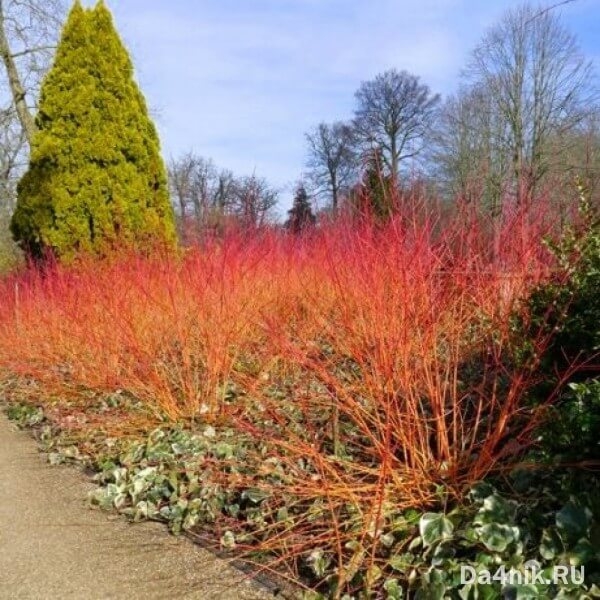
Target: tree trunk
{"x": 394, "y": 159}
{"x": 334, "y": 194}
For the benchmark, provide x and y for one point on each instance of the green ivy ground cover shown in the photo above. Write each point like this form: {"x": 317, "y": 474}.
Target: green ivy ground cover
{"x": 180, "y": 476}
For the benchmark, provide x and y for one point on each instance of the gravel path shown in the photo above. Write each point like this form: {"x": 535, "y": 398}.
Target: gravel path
{"x": 53, "y": 547}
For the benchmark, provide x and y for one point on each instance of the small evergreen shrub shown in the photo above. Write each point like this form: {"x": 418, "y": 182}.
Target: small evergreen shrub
{"x": 569, "y": 309}
{"x": 95, "y": 179}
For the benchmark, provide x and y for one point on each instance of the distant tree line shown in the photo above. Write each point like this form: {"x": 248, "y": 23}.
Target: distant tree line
{"x": 524, "y": 121}
{"x": 209, "y": 199}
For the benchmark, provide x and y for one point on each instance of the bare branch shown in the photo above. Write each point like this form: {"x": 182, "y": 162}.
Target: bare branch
{"x": 28, "y": 33}
{"x": 32, "y": 50}
{"x": 548, "y": 9}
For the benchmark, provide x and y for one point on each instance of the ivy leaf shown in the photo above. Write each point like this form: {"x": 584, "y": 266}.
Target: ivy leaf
{"x": 497, "y": 537}
{"x": 433, "y": 591}
{"x": 255, "y": 495}
{"x": 480, "y": 491}
{"x": 318, "y": 562}
{"x": 415, "y": 544}
{"x": 441, "y": 554}
{"x": 582, "y": 553}
{"x": 434, "y": 527}
{"x": 573, "y": 520}
{"x": 228, "y": 540}
{"x": 224, "y": 450}
{"x": 401, "y": 562}
{"x": 527, "y": 592}
{"x": 551, "y": 544}
{"x": 393, "y": 589}
{"x": 473, "y": 591}
{"x": 495, "y": 509}
{"x": 594, "y": 591}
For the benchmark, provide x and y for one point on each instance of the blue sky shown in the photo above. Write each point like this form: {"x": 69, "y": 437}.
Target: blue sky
{"x": 241, "y": 81}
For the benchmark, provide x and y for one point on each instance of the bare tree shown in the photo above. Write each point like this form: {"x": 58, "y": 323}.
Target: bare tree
{"x": 206, "y": 197}
{"x": 224, "y": 190}
{"x": 201, "y": 193}
{"x": 332, "y": 160}
{"x": 574, "y": 157}
{"x": 181, "y": 181}
{"x": 582, "y": 154}
{"x": 531, "y": 67}
{"x": 255, "y": 200}
{"x": 395, "y": 111}
{"x": 203, "y": 188}
{"x": 467, "y": 150}
{"x": 28, "y": 35}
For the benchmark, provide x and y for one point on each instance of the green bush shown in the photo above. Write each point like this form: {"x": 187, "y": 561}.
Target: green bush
{"x": 568, "y": 310}
{"x": 571, "y": 305}
{"x": 571, "y": 431}
{"x": 95, "y": 179}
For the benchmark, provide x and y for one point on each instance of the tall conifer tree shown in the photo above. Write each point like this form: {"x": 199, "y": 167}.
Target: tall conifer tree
{"x": 96, "y": 179}
{"x": 300, "y": 216}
